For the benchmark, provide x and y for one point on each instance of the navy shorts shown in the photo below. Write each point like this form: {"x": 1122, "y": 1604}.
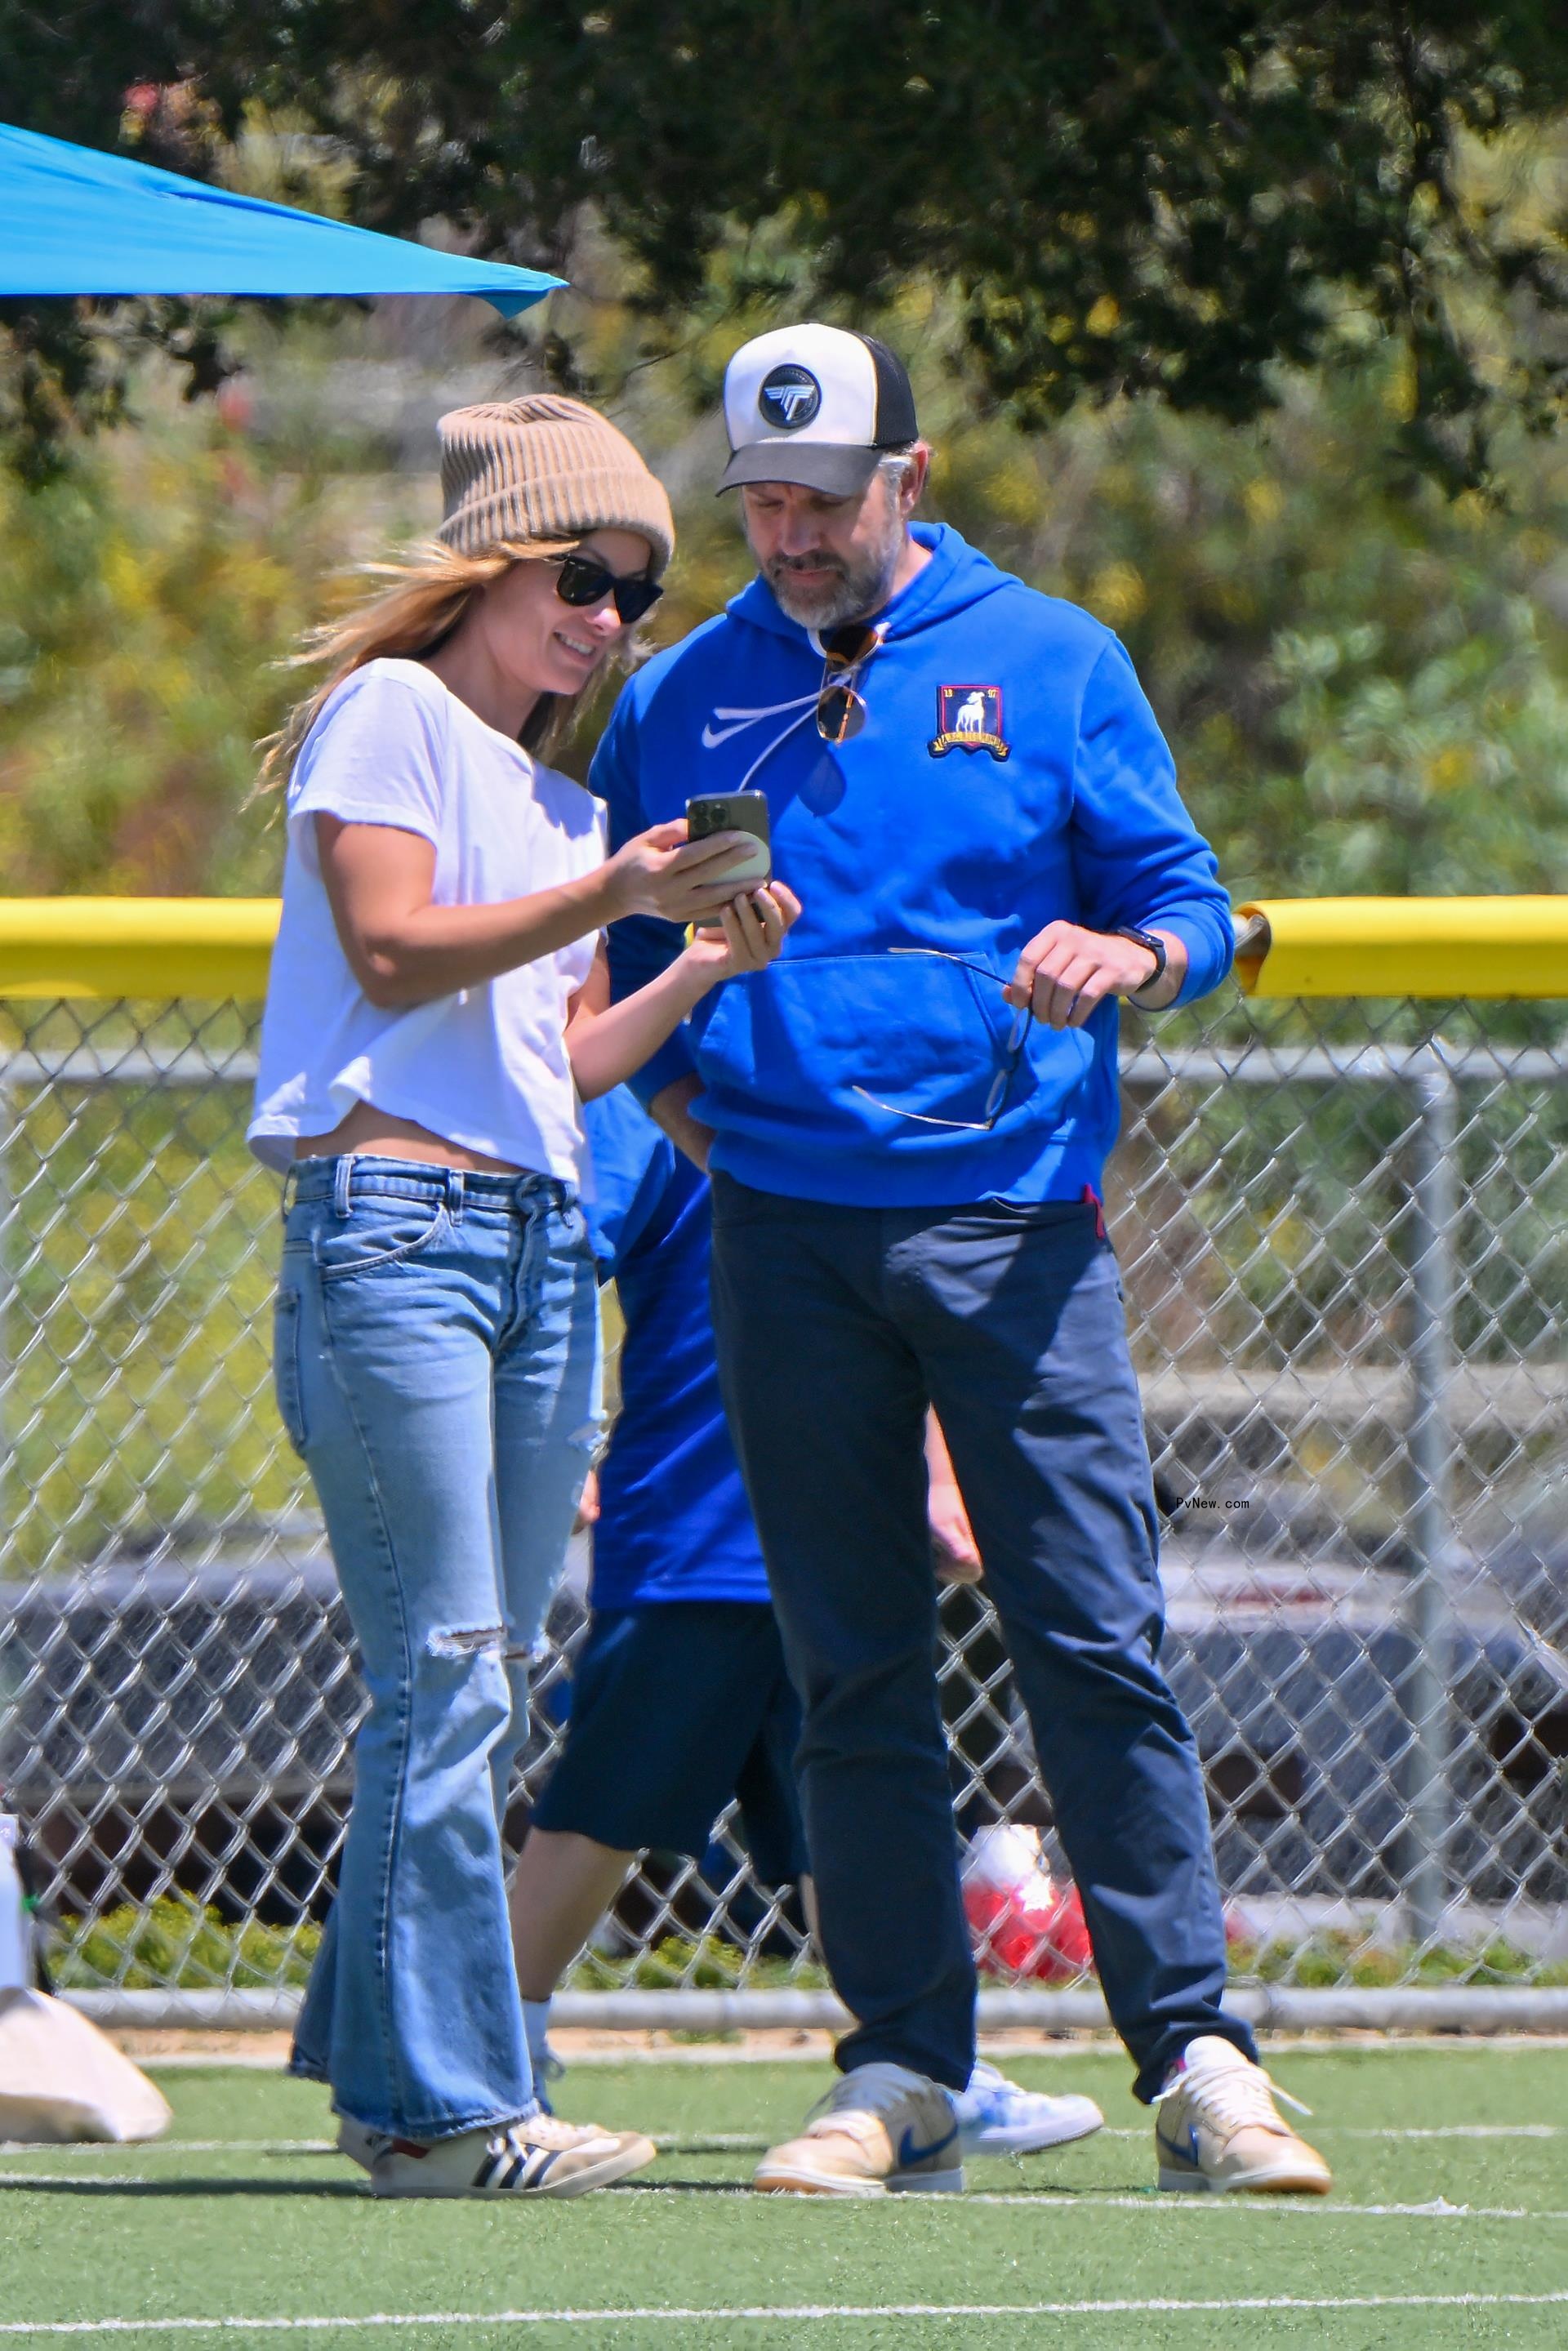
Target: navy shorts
{"x": 675, "y": 1709}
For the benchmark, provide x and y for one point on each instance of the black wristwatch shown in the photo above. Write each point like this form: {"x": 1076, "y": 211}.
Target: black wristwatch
{"x": 1157, "y": 947}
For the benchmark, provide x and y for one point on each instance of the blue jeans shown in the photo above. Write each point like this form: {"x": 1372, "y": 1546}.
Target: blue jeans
{"x": 836, "y": 1327}
{"x": 437, "y": 1369}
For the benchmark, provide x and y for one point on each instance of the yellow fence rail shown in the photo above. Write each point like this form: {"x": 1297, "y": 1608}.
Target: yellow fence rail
{"x": 1403, "y": 947}
{"x": 222, "y": 947}
{"x": 157, "y": 947}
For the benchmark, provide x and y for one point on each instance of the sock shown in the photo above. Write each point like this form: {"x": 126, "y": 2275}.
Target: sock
{"x": 546, "y": 2064}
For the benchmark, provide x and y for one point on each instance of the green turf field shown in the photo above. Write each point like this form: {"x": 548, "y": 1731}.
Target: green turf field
{"x": 1449, "y": 2227}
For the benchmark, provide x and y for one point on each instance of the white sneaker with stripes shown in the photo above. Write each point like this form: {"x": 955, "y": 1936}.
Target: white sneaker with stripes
{"x": 539, "y": 2156}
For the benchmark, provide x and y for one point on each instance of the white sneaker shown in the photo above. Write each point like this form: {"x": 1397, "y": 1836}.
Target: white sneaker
{"x": 537, "y": 2156}
{"x": 996, "y": 2118}
{"x": 880, "y": 2127}
{"x": 360, "y": 2143}
{"x": 1216, "y": 2129}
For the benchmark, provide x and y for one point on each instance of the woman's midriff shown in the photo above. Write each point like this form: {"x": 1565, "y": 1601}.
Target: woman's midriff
{"x": 367, "y": 1129}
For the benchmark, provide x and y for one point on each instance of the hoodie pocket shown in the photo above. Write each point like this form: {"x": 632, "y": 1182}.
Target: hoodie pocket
{"x": 882, "y": 1038}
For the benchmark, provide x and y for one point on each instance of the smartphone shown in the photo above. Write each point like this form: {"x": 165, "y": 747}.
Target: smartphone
{"x": 712, "y": 812}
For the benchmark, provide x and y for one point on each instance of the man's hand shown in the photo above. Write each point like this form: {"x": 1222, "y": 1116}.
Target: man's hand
{"x": 1065, "y": 971}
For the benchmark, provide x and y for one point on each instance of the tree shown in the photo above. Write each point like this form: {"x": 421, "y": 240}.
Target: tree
{"x": 1170, "y": 196}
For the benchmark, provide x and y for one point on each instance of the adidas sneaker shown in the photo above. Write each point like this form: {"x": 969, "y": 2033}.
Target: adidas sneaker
{"x": 537, "y": 2156}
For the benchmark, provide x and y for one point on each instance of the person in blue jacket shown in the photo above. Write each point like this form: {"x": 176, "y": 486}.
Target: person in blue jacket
{"x": 906, "y": 1120}
{"x": 680, "y": 1700}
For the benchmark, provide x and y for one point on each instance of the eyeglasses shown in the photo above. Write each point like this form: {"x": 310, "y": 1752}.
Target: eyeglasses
{"x": 1000, "y": 1085}
{"x": 840, "y": 711}
{"x": 583, "y": 580}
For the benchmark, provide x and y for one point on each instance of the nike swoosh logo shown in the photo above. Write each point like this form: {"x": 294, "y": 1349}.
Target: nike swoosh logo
{"x": 1174, "y": 2147}
{"x": 909, "y": 2154}
{"x": 736, "y": 720}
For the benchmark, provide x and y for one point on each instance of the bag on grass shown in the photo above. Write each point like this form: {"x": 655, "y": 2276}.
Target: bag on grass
{"x": 61, "y": 2078}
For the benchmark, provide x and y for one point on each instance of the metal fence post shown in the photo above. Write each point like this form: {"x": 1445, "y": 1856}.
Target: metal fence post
{"x": 1435, "y": 1217}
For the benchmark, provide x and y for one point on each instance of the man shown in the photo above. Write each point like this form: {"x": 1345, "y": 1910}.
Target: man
{"x": 680, "y": 1699}
{"x": 906, "y": 1173}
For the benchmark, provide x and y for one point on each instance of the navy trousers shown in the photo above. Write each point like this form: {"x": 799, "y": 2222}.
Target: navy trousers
{"x": 836, "y": 1327}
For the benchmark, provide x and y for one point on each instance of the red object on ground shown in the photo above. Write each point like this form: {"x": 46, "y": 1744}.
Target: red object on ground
{"x": 1033, "y": 1930}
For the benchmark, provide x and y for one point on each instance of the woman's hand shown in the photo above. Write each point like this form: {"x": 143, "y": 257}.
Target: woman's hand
{"x": 606, "y": 1042}
{"x": 661, "y": 873}
{"x": 751, "y": 931}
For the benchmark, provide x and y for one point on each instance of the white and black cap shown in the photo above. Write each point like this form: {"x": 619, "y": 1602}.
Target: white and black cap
{"x": 816, "y": 406}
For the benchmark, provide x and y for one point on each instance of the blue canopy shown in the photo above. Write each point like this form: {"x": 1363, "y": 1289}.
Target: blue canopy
{"x": 73, "y": 221}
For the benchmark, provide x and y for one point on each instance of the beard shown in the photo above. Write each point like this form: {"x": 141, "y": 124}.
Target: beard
{"x": 855, "y": 590}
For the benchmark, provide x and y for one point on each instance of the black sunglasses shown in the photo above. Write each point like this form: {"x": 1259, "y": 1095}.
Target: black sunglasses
{"x": 840, "y": 711}
{"x": 584, "y": 579}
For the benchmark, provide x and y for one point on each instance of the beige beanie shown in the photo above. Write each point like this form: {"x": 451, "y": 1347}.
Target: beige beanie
{"x": 540, "y": 472}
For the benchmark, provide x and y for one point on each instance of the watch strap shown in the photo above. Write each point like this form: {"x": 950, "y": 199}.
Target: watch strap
{"x": 1157, "y": 947}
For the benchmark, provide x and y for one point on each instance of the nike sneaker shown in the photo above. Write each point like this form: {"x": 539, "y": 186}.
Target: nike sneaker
{"x": 996, "y": 2118}
{"x": 1216, "y": 2129}
{"x": 537, "y": 2156}
{"x": 879, "y": 2128}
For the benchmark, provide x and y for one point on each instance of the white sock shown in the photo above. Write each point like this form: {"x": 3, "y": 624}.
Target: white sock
{"x": 536, "y": 2024}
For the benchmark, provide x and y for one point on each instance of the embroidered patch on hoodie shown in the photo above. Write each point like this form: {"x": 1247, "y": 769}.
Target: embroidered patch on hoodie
{"x": 969, "y": 718}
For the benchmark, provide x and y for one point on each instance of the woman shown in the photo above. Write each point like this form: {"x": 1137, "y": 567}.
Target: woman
{"x": 436, "y": 988}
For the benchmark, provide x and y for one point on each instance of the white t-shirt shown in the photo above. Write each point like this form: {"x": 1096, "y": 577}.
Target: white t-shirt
{"x": 486, "y": 1067}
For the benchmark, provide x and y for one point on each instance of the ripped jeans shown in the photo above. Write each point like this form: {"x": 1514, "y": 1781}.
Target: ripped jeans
{"x": 437, "y": 1369}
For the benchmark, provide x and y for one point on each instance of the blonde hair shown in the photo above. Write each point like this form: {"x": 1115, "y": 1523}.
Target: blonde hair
{"x": 429, "y": 592}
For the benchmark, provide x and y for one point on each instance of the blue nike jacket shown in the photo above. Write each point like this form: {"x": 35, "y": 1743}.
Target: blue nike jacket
{"x": 1009, "y": 774}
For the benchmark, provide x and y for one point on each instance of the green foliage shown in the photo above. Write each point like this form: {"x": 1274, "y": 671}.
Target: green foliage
{"x": 172, "y": 1944}
{"x": 1367, "y": 688}
{"x": 1339, "y": 1957}
{"x": 1174, "y": 200}
{"x": 710, "y": 1964}
{"x": 147, "y": 597}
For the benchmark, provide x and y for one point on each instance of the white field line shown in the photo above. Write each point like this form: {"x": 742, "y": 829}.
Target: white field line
{"x": 1058, "y": 2203}
{"x": 1323, "y": 2129}
{"x": 1317, "y": 2206}
{"x": 722, "y": 2142}
{"x": 800, "y": 2311}
{"x": 170, "y": 2146}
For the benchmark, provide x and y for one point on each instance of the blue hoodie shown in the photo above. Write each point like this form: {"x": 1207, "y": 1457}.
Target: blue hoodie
{"x": 1009, "y": 774}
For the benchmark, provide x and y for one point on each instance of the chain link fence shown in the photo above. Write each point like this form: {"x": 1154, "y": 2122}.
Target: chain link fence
{"x": 1344, "y": 1232}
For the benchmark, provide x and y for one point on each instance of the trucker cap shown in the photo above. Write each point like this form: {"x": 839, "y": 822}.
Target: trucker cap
{"x": 816, "y": 406}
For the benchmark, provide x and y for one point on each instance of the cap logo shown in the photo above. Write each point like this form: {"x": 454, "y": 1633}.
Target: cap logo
{"x": 790, "y": 396}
